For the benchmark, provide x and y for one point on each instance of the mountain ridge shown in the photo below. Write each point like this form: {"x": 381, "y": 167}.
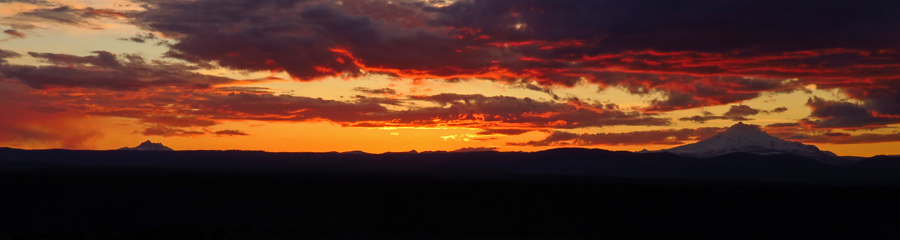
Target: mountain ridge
{"x": 148, "y": 146}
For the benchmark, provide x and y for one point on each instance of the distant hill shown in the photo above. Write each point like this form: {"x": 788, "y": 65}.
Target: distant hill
{"x": 148, "y": 146}
{"x": 562, "y": 162}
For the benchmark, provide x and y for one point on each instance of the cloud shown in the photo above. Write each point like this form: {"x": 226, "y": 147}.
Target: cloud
{"x": 866, "y": 138}
{"x": 170, "y": 109}
{"x": 379, "y": 91}
{"x": 533, "y": 87}
{"x": 509, "y": 132}
{"x": 80, "y": 17}
{"x": 836, "y": 134}
{"x": 169, "y": 132}
{"x": 735, "y": 113}
{"x": 833, "y": 114}
{"x": 13, "y": 33}
{"x": 229, "y": 132}
{"x": 686, "y": 92}
{"x": 308, "y": 40}
{"x": 844, "y": 138}
{"x": 778, "y": 110}
{"x": 741, "y": 111}
{"x": 693, "y": 57}
{"x": 878, "y": 96}
{"x": 141, "y": 38}
{"x": 657, "y": 137}
{"x": 107, "y": 71}
{"x": 454, "y": 110}
{"x": 703, "y": 119}
{"x": 176, "y": 121}
{"x": 693, "y": 25}
{"x": 528, "y": 112}
{"x": 4, "y": 54}
{"x": 783, "y": 125}
{"x": 692, "y": 54}
{"x": 249, "y": 106}
{"x": 33, "y": 2}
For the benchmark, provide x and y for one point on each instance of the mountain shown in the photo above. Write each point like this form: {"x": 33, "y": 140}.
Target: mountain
{"x": 751, "y": 139}
{"x": 148, "y": 146}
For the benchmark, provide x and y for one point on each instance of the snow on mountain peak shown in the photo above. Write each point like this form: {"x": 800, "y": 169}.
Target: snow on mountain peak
{"x": 749, "y": 138}
{"x": 149, "y": 146}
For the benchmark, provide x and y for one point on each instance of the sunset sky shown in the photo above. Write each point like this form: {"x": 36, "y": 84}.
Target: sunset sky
{"x": 425, "y": 75}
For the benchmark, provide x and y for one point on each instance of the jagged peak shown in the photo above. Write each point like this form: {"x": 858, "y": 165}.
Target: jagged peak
{"x": 149, "y": 146}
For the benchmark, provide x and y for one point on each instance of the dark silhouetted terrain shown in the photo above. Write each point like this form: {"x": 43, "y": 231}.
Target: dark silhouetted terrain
{"x": 554, "y": 194}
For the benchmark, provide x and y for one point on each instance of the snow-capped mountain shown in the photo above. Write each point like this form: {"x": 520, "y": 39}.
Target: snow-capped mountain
{"x": 751, "y": 139}
{"x": 148, "y": 146}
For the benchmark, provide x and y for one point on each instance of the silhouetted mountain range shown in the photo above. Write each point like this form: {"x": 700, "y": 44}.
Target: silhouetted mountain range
{"x": 563, "y": 162}
{"x": 565, "y": 193}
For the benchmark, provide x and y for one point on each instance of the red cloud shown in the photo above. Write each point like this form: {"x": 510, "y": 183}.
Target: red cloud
{"x": 315, "y": 39}
{"x": 832, "y": 114}
{"x": 661, "y": 137}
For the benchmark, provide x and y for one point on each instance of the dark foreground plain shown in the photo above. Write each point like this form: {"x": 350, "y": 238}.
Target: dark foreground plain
{"x": 557, "y": 194}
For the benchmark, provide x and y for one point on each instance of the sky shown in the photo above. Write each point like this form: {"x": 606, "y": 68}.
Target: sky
{"x": 442, "y": 75}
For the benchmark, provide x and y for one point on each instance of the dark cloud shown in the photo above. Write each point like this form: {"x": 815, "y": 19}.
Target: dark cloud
{"x": 863, "y": 138}
{"x": 783, "y": 125}
{"x": 168, "y": 110}
{"x": 675, "y": 101}
{"x": 832, "y": 114}
{"x": 4, "y": 54}
{"x": 844, "y": 138}
{"x": 107, "y": 71}
{"x": 176, "y": 121}
{"x": 13, "y": 33}
{"x": 284, "y": 108}
{"x": 308, "y": 40}
{"x": 703, "y": 119}
{"x": 685, "y": 92}
{"x": 778, "y": 110}
{"x": 103, "y": 59}
{"x": 80, "y": 17}
{"x": 379, "y": 91}
{"x": 229, "y": 132}
{"x": 878, "y": 96}
{"x": 741, "y": 111}
{"x": 735, "y": 113}
{"x": 836, "y": 134}
{"x": 453, "y": 110}
{"x": 693, "y": 54}
{"x": 511, "y": 132}
{"x": 693, "y": 25}
{"x": 176, "y": 107}
{"x": 702, "y": 53}
{"x": 661, "y": 137}
{"x": 33, "y": 2}
{"x": 533, "y": 87}
{"x": 170, "y": 132}
{"x": 141, "y": 38}
{"x": 511, "y": 110}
